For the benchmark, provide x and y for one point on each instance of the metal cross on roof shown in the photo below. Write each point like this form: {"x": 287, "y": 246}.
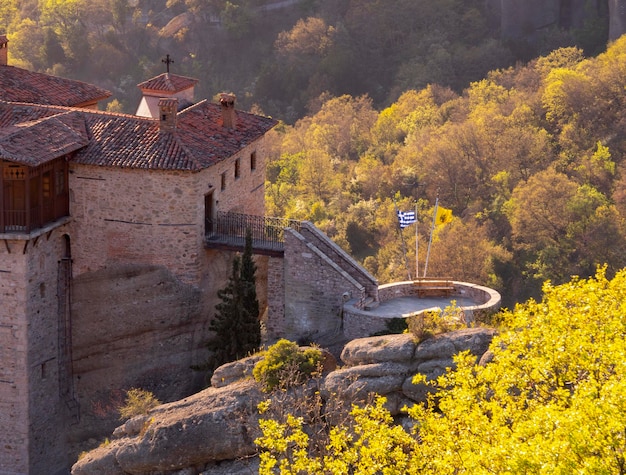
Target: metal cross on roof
{"x": 167, "y": 62}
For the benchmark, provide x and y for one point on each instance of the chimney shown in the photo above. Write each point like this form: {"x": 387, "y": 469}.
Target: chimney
{"x": 168, "y": 108}
{"x": 4, "y": 42}
{"x": 229, "y": 118}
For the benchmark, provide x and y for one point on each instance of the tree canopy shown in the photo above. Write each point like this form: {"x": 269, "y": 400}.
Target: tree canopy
{"x": 278, "y": 56}
{"x": 529, "y": 159}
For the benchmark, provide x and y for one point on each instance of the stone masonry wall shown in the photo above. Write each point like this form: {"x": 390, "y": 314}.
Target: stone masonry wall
{"x": 31, "y": 408}
{"x": 13, "y": 360}
{"x": 130, "y": 216}
{"x": 341, "y": 258}
{"x": 156, "y": 217}
{"x": 275, "y": 320}
{"x": 144, "y": 291}
{"x": 47, "y": 408}
{"x": 314, "y": 288}
{"x": 359, "y": 323}
{"x": 145, "y": 288}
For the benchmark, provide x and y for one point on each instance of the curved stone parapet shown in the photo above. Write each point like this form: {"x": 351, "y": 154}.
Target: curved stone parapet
{"x": 359, "y": 323}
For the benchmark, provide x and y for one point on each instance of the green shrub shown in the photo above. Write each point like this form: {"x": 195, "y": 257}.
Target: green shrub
{"x": 286, "y": 363}
{"x": 138, "y": 401}
{"x": 426, "y": 324}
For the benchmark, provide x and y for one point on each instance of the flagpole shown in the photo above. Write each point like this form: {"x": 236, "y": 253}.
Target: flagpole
{"x": 417, "y": 269}
{"x": 432, "y": 229}
{"x": 406, "y": 259}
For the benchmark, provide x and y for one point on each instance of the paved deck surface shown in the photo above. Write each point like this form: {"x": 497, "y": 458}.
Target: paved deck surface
{"x": 400, "y": 306}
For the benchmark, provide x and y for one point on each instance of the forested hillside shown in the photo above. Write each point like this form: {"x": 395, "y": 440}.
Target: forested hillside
{"x": 414, "y": 101}
{"x": 530, "y": 160}
{"x": 276, "y": 55}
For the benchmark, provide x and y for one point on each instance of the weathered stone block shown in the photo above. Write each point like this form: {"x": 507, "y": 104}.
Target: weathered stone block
{"x": 379, "y": 349}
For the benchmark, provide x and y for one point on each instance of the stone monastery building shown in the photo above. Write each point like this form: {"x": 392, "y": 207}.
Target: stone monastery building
{"x": 107, "y": 278}
{"x": 93, "y": 202}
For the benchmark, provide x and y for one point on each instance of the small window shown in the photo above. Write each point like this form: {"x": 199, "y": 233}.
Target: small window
{"x": 223, "y": 185}
{"x": 237, "y": 168}
{"x": 253, "y": 161}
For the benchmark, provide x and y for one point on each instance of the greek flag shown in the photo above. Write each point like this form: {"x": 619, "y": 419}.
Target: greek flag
{"x": 406, "y": 218}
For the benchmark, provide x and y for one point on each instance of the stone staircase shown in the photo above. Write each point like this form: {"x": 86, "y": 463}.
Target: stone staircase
{"x": 345, "y": 262}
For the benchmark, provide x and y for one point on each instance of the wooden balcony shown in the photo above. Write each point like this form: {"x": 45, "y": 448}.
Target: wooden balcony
{"x": 227, "y": 231}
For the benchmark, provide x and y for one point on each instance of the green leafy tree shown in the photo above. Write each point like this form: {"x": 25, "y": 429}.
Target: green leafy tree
{"x": 8, "y": 14}
{"x": 52, "y": 50}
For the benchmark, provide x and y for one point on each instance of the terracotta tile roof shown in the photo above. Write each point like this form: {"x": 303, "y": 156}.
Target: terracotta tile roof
{"x": 167, "y": 82}
{"x": 38, "y": 141}
{"x": 21, "y": 85}
{"x": 11, "y": 114}
{"x": 120, "y": 140}
{"x": 199, "y": 141}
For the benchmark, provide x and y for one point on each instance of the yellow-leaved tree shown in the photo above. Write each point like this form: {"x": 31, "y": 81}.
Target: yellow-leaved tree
{"x": 552, "y": 399}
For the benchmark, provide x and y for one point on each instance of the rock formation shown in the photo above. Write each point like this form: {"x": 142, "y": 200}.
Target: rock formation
{"x": 617, "y": 18}
{"x": 184, "y": 437}
{"x": 213, "y": 431}
{"x": 386, "y": 365}
{"x": 526, "y": 18}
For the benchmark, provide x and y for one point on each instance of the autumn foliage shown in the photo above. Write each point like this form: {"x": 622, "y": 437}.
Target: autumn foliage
{"x": 530, "y": 160}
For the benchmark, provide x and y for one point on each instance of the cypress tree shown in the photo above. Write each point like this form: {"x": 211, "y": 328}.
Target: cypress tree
{"x": 252, "y": 325}
{"x": 236, "y": 324}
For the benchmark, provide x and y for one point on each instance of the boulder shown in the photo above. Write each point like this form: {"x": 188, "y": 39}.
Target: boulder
{"x": 386, "y": 365}
{"x": 100, "y": 461}
{"x": 231, "y": 372}
{"x": 379, "y": 349}
{"x": 212, "y": 425}
{"x": 446, "y": 345}
{"x": 357, "y": 382}
{"x": 246, "y": 466}
{"x": 131, "y": 427}
{"x": 416, "y": 392}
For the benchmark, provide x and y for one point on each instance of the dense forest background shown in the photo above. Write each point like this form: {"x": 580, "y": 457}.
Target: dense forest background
{"x": 278, "y": 55}
{"x": 386, "y": 107}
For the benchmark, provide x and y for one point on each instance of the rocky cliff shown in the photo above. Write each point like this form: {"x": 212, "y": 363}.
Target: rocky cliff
{"x": 527, "y": 18}
{"x": 617, "y": 18}
{"x": 213, "y": 431}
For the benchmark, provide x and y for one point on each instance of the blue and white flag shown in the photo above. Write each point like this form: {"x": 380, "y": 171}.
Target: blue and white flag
{"x": 406, "y": 218}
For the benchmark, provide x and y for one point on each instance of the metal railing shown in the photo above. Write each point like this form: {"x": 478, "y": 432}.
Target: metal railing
{"x": 267, "y": 232}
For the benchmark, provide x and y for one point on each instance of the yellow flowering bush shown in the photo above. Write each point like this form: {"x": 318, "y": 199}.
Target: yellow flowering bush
{"x": 552, "y": 400}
